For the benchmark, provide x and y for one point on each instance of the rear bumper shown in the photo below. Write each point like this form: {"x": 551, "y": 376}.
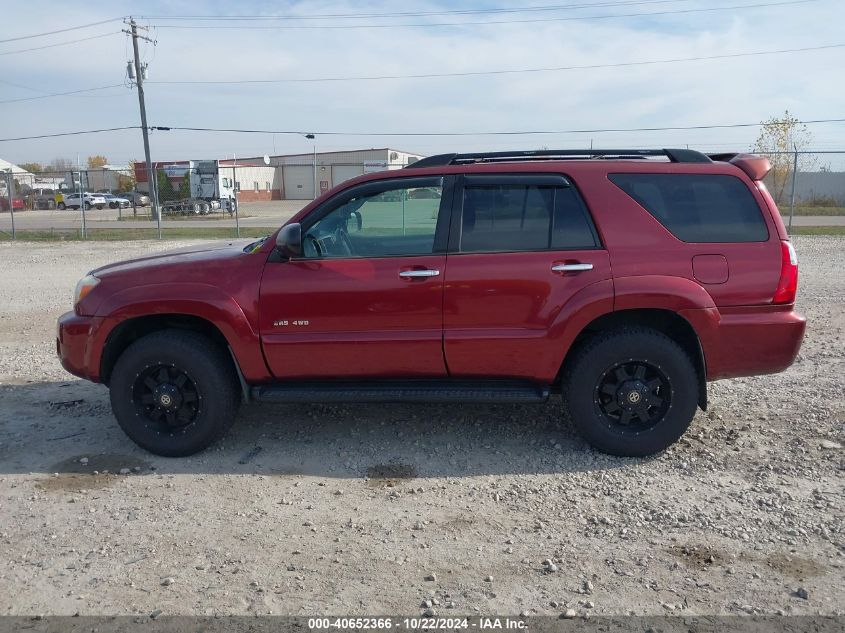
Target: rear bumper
{"x": 747, "y": 341}
{"x": 73, "y": 336}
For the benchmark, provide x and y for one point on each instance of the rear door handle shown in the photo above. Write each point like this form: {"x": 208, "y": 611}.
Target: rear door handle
{"x": 571, "y": 268}
{"x": 419, "y": 273}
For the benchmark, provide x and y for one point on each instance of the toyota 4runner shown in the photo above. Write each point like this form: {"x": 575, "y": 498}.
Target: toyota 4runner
{"x": 622, "y": 279}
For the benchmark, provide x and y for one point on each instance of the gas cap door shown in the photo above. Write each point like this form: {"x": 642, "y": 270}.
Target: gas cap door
{"x": 710, "y": 269}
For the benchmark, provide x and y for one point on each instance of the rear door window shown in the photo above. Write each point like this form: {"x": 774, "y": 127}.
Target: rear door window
{"x": 709, "y": 208}
{"x": 535, "y": 215}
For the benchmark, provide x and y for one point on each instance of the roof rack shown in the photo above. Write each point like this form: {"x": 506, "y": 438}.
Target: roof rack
{"x": 674, "y": 155}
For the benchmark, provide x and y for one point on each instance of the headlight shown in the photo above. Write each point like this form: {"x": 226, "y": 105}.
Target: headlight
{"x": 85, "y": 285}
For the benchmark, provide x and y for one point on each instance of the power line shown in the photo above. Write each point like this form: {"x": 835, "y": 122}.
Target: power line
{"x": 498, "y": 133}
{"x": 422, "y": 134}
{"x": 487, "y": 22}
{"x": 39, "y": 48}
{"x": 501, "y": 72}
{"x": 407, "y": 14}
{"x": 76, "y": 133}
{"x": 61, "y": 94}
{"x": 70, "y": 28}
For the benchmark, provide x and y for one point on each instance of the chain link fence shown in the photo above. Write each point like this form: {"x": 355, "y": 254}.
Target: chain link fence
{"x": 227, "y": 199}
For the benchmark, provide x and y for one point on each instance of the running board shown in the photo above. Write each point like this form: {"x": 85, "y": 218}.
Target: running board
{"x": 502, "y": 391}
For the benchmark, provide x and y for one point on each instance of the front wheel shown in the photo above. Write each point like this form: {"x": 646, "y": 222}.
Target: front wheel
{"x": 631, "y": 392}
{"x": 62, "y": 206}
{"x": 174, "y": 393}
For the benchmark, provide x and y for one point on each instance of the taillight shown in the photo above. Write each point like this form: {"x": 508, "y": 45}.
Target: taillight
{"x": 788, "y": 282}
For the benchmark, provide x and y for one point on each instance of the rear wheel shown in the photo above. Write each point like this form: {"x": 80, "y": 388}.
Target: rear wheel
{"x": 61, "y": 206}
{"x": 631, "y": 392}
{"x": 174, "y": 393}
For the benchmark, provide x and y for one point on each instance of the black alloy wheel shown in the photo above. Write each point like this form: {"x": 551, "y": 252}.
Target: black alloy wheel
{"x": 166, "y": 396}
{"x": 633, "y": 395}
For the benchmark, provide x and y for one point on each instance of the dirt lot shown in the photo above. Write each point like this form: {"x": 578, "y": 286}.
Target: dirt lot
{"x": 378, "y": 509}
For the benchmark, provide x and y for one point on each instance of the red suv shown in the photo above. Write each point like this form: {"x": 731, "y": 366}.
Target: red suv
{"x": 623, "y": 279}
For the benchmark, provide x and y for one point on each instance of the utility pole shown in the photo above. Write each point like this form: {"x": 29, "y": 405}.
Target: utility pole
{"x": 139, "y": 82}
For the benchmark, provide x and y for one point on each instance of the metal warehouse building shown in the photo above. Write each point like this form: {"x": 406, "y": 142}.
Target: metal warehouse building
{"x": 290, "y": 176}
{"x": 298, "y": 176}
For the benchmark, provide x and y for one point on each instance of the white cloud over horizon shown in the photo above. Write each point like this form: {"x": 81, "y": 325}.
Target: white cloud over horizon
{"x": 746, "y": 89}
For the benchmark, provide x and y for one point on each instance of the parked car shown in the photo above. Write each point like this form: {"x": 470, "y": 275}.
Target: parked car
{"x": 624, "y": 280}
{"x": 141, "y": 199}
{"x": 116, "y": 202}
{"x": 18, "y": 204}
{"x": 71, "y": 200}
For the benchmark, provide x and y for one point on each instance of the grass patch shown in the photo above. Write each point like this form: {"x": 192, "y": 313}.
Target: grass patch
{"x": 818, "y": 230}
{"x": 802, "y": 210}
{"x": 211, "y": 217}
{"x": 105, "y": 235}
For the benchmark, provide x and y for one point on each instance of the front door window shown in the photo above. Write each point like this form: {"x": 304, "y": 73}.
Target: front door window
{"x": 398, "y": 220}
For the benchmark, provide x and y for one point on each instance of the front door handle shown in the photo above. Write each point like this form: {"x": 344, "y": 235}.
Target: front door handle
{"x": 571, "y": 268}
{"x": 419, "y": 273}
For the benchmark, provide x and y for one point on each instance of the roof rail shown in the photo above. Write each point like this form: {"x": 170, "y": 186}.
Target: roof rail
{"x": 674, "y": 155}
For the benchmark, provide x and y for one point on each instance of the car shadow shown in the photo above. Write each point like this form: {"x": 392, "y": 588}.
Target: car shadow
{"x": 67, "y": 429}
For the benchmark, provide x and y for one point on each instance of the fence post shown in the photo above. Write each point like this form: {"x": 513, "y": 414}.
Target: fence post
{"x": 10, "y": 190}
{"x": 794, "y": 176}
{"x": 81, "y": 191}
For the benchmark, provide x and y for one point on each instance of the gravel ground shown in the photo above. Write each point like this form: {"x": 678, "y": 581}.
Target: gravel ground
{"x": 399, "y": 509}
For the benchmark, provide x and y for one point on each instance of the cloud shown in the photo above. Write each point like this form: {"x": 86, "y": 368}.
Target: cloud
{"x": 724, "y": 91}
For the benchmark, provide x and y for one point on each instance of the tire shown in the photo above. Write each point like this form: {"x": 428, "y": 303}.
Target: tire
{"x": 202, "y": 408}
{"x": 100, "y": 207}
{"x": 621, "y": 409}
{"x": 61, "y": 206}
{"x": 113, "y": 205}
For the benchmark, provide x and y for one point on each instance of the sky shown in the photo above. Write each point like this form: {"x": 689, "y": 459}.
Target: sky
{"x": 601, "y": 32}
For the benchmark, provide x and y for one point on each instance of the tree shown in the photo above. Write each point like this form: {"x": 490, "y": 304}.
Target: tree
{"x": 185, "y": 186}
{"x": 97, "y": 161}
{"x": 126, "y": 182}
{"x": 32, "y": 168}
{"x": 165, "y": 187}
{"x": 61, "y": 165}
{"x": 779, "y": 138}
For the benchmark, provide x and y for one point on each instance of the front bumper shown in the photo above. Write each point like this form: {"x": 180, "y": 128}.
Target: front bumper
{"x": 73, "y": 337}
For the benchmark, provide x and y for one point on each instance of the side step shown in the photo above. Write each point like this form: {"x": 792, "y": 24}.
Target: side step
{"x": 504, "y": 391}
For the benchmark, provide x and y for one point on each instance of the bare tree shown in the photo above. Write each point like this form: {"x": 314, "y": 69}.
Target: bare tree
{"x": 779, "y": 138}
{"x": 61, "y": 164}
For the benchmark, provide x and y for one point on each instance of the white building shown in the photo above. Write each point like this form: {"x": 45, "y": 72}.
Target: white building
{"x": 295, "y": 177}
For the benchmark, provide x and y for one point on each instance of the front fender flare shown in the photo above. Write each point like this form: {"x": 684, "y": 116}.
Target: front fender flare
{"x": 203, "y": 301}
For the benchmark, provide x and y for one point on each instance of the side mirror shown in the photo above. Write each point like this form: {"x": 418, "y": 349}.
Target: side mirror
{"x": 289, "y": 240}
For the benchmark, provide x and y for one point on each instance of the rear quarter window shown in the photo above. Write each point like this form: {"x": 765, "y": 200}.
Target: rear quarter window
{"x": 698, "y": 207}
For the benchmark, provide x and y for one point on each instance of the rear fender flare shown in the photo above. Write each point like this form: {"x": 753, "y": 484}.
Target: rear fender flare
{"x": 660, "y": 292}
{"x": 583, "y": 308}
